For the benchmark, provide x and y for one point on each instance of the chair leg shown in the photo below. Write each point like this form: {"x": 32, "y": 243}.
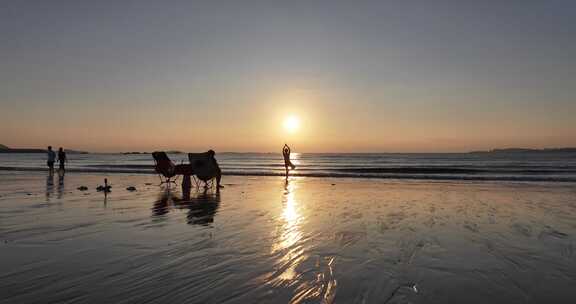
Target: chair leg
{"x": 209, "y": 183}
{"x": 165, "y": 180}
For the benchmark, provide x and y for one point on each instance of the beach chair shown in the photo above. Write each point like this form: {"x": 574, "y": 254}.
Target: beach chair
{"x": 205, "y": 168}
{"x": 164, "y": 167}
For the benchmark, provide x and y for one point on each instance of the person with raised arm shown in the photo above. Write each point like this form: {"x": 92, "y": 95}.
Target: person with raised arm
{"x": 287, "y": 163}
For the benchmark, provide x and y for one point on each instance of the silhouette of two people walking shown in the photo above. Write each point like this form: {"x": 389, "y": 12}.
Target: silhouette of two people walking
{"x": 51, "y": 155}
{"x": 51, "y": 159}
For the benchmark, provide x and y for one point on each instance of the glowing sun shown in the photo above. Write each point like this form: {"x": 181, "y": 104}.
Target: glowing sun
{"x": 291, "y": 123}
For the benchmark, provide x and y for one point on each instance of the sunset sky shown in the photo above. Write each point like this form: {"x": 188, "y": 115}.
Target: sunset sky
{"x": 360, "y": 76}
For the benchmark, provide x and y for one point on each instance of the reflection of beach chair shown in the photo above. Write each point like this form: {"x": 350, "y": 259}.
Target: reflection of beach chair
{"x": 205, "y": 167}
{"x": 164, "y": 167}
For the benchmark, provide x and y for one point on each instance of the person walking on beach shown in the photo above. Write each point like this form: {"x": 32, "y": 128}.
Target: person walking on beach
{"x": 51, "y": 158}
{"x": 287, "y": 162}
{"x": 61, "y": 159}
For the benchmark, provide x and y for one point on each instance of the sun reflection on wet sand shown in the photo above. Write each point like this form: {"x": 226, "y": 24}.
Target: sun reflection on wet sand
{"x": 311, "y": 276}
{"x": 288, "y": 244}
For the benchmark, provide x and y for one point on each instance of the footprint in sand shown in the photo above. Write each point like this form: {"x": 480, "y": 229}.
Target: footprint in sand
{"x": 522, "y": 229}
{"x": 347, "y": 238}
{"x": 551, "y": 232}
{"x": 472, "y": 227}
{"x": 567, "y": 251}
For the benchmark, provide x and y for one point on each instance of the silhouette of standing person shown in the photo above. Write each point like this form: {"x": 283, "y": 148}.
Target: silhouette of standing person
{"x": 51, "y": 159}
{"x": 218, "y": 172}
{"x": 287, "y": 162}
{"x": 61, "y": 160}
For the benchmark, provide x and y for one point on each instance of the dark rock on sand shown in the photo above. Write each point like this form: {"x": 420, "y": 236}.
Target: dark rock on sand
{"x": 131, "y": 188}
{"x": 103, "y": 188}
{"x": 82, "y": 188}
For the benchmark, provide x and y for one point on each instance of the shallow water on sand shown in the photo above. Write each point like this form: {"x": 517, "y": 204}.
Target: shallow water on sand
{"x": 261, "y": 240}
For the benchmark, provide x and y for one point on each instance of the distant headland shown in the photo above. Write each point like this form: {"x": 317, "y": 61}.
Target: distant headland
{"x": 526, "y": 150}
{"x": 6, "y": 149}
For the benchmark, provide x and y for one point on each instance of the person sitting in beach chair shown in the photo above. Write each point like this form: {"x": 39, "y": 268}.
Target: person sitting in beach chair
{"x": 164, "y": 167}
{"x": 205, "y": 167}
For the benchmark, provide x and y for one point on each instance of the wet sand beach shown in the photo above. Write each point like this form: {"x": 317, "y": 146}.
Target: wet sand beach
{"x": 260, "y": 240}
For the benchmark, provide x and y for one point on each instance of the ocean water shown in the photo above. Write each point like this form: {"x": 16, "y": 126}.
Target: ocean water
{"x": 537, "y": 167}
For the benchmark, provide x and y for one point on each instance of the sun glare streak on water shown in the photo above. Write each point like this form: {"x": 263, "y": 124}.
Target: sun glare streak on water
{"x": 295, "y": 158}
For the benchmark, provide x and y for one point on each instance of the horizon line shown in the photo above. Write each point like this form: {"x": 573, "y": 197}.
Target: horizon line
{"x": 176, "y": 151}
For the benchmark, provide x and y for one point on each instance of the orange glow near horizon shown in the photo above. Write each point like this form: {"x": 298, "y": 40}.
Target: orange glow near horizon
{"x": 266, "y": 118}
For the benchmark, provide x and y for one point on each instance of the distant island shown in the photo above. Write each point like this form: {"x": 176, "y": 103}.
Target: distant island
{"x": 526, "y": 150}
{"x": 6, "y": 149}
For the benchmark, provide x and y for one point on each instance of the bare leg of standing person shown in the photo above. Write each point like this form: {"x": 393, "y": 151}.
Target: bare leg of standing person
{"x": 218, "y": 179}
{"x": 186, "y": 186}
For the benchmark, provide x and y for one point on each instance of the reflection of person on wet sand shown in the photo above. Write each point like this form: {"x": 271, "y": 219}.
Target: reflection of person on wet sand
{"x": 60, "y": 186}
{"x": 60, "y": 178}
{"x": 60, "y": 183}
{"x": 203, "y": 208}
{"x": 287, "y": 162}
{"x": 49, "y": 185}
{"x": 161, "y": 205}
